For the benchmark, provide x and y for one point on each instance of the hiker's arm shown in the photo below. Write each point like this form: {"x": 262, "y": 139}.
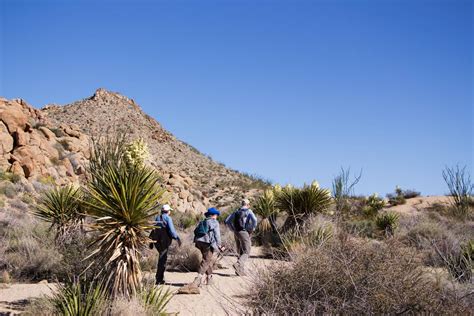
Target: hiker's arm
{"x": 217, "y": 235}
{"x": 230, "y": 220}
{"x": 171, "y": 228}
{"x": 253, "y": 220}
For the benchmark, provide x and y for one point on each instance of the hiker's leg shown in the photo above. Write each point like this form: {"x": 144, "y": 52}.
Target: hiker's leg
{"x": 161, "y": 267}
{"x": 237, "y": 244}
{"x": 245, "y": 243}
{"x": 212, "y": 261}
{"x": 206, "y": 258}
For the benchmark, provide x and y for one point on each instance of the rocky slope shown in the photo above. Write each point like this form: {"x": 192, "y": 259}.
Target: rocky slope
{"x": 53, "y": 144}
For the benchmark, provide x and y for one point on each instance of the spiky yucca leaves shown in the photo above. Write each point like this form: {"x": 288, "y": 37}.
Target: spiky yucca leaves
{"x": 122, "y": 199}
{"x": 155, "y": 299}
{"x": 299, "y": 204}
{"x": 79, "y": 299}
{"x": 373, "y": 204}
{"x": 61, "y": 207}
{"x": 265, "y": 207}
{"x": 387, "y": 222}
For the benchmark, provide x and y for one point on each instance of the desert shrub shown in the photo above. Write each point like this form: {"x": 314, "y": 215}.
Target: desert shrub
{"x": 301, "y": 203}
{"x": 343, "y": 189}
{"x": 352, "y": 277}
{"x": 79, "y": 299}
{"x": 457, "y": 258}
{"x": 185, "y": 220}
{"x": 27, "y": 249}
{"x": 265, "y": 207}
{"x": 314, "y": 233}
{"x": 155, "y": 299}
{"x": 361, "y": 227}
{"x": 410, "y": 194}
{"x": 373, "y": 204}
{"x": 400, "y": 196}
{"x": 74, "y": 250}
{"x": 387, "y": 222}
{"x": 28, "y": 198}
{"x": 186, "y": 258}
{"x": 8, "y": 189}
{"x": 461, "y": 189}
{"x": 9, "y": 176}
{"x": 62, "y": 209}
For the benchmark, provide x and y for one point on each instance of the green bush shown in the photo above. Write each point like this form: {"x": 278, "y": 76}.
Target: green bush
{"x": 387, "y": 222}
{"x": 79, "y": 299}
{"x": 9, "y": 190}
{"x": 361, "y": 227}
{"x": 373, "y": 204}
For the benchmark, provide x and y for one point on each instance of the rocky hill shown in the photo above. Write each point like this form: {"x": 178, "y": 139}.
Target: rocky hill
{"x": 52, "y": 144}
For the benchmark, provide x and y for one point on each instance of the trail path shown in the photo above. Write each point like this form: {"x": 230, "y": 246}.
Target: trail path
{"x": 225, "y": 297}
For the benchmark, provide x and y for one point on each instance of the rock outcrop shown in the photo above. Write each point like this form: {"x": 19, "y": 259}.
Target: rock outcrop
{"x": 54, "y": 143}
{"x": 30, "y": 147}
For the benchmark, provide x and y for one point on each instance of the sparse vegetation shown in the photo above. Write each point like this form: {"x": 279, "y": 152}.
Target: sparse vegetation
{"x": 387, "y": 222}
{"x": 461, "y": 189}
{"x": 62, "y": 208}
{"x": 373, "y": 204}
{"x": 353, "y": 277}
{"x": 343, "y": 189}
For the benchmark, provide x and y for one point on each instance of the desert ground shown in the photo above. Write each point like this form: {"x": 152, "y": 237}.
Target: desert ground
{"x": 224, "y": 297}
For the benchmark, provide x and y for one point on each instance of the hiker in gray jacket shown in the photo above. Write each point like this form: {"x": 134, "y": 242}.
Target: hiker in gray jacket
{"x": 207, "y": 238}
{"x": 242, "y": 222}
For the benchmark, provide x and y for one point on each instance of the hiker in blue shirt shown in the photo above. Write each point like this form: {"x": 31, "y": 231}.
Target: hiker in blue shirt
{"x": 242, "y": 222}
{"x": 207, "y": 238}
{"x": 163, "y": 237}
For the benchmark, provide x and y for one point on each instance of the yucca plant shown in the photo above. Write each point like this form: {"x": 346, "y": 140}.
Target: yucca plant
{"x": 265, "y": 207}
{"x": 61, "y": 207}
{"x": 387, "y": 222}
{"x": 79, "y": 299}
{"x": 373, "y": 204}
{"x": 300, "y": 203}
{"x": 155, "y": 299}
{"x": 319, "y": 236}
{"x": 122, "y": 198}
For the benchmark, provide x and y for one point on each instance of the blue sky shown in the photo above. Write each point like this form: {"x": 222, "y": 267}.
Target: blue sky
{"x": 289, "y": 90}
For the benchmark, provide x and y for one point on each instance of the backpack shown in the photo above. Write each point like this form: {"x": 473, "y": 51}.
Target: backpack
{"x": 160, "y": 234}
{"x": 240, "y": 219}
{"x": 202, "y": 229}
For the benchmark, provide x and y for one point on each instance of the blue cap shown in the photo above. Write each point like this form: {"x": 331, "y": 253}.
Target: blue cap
{"x": 212, "y": 211}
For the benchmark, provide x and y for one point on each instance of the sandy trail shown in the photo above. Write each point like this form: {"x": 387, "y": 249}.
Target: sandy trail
{"x": 225, "y": 297}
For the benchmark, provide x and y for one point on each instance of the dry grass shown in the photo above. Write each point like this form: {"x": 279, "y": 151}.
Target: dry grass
{"x": 352, "y": 276}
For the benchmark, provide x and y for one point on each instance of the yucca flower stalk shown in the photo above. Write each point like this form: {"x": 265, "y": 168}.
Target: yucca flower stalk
{"x": 61, "y": 207}
{"x": 122, "y": 199}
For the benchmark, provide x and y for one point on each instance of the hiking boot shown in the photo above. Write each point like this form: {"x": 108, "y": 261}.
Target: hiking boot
{"x": 189, "y": 289}
{"x": 239, "y": 270}
{"x": 209, "y": 280}
{"x": 197, "y": 281}
{"x": 162, "y": 282}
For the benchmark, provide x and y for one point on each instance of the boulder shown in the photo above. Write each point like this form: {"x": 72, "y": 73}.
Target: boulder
{"x": 6, "y": 140}
{"x": 12, "y": 116}
{"x": 47, "y": 133}
{"x": 21, "y": 138}
{"x": 17, "y": 169}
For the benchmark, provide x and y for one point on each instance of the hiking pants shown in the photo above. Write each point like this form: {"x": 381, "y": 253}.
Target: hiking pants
{"x": 161, "y": 267}
{"x": 208, "y": 258}
{"x": 242, "y": 240}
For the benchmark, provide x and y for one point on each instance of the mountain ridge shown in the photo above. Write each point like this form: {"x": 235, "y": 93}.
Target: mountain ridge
{"x": 61, "y": 149}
